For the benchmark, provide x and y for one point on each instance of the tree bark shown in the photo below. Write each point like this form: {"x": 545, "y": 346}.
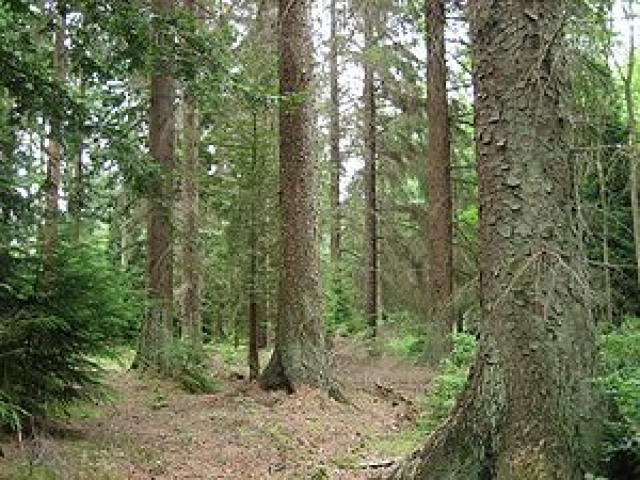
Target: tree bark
{"x": 157, "y": 325}
{"x": 334, "y": 141}
{"x": 438, "y": 182}
{"x": 529, "y": 409}
{"x": 75, "y": 203}
{"x": 604, "y": 204}
{"x": 299, "y": 355}
{"x": 370, "y": 200}
{"x": 632, "y": 142}
{"x": 190, "y": 257}
{"x": 54, "y": 153}
{"x": 254, "y": 357}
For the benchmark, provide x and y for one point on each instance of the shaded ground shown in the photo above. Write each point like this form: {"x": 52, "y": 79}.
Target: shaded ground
{"x": 152, "y": 430}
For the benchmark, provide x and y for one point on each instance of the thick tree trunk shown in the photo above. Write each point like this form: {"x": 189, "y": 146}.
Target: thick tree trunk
{"x": 54, "y": 154}
{"x": 438, "y": 182}
{"x": 370, "y": 200}
{"x": 299, "y": 356}
{"x": 529, "y": 410}
{"x": 157, "y": 325}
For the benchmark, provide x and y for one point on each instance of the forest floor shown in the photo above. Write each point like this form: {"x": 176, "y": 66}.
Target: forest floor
{"x": 153, "y": 430}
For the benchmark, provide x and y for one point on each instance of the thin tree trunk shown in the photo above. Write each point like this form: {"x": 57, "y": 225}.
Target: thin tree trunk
{"x": 299, "y": 357}
{"x": 77, "y": 193}
{"x": 633, "y": 149}
{"x": 371, "y": 215}
{"x": 529, "y": 409}
{"x": 334, "y": 141}
{"x": 190, "y": 258}
{"x": 54, "y": 153}
{"x": 605, "y": 238}
{"x": 265, "y": 302}
{"x": 438, "y": 181}
{"x": 254, "y": 358}
{"x": 158, "y": 323}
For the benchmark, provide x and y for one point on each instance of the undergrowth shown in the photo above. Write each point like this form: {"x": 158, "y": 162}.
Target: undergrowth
{"x": 620, "y": 361}
{"x": 187, "y": 366}
{"x": 447, "y": 385}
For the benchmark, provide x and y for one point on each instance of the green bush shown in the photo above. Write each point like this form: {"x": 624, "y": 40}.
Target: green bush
{"x": 187, "y": 367}
{"x": 620, "y": 361}
{"x": 52, "y": 335}
{"x": 620, "y": 350}
{"x": 447, "y": 385}
{"x": 410, "y": 345}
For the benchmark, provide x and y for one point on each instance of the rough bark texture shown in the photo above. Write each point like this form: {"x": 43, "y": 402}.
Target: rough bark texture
{"x": 299, "y": 356}
{"x": 371, "y": 214}
{"x": 157, "y": 324}
{"x": 528, "y": 410}
{"x": 438, "y": 182}
{"x": 54, "y": 155}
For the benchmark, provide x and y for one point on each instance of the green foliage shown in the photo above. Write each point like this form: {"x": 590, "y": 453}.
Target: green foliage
{"x": 340, "y": 314}
{"x": 448, "y": 384}
{"x": 50, "y": 337}
{"x": 621, "y": 363}
{"x": 407, "y": 345}
{"x": 10, "y": 413}
{"x": 187, "y": 367}
{"x": 620, "y": 358}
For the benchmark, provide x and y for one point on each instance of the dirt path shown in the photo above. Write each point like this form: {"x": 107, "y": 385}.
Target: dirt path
{"x": 154, "y": 431}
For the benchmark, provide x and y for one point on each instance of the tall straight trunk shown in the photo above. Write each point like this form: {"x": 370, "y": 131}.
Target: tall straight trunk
{"x": 371, "y": 214}
{"x": 334, "y": 141}
{"x": 604, "y": 204}
{"x": 254, "y": 358}
{"x": 529, "y": 409}
{"x": 438, "y": 182}
{"x": 633, "y": 148}
{"x": 157, "y": 324}
{"x": 75, "y": 203}
{"x": 54, "y": 153}
{"x": 190, "y": 258}
{"x": 299, "y": 355}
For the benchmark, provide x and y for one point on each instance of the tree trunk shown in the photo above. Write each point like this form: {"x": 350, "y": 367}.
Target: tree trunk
{"x": 334, "y": 141}
{"x": 157, "y": 325}
{"x": 54, "y": 153}
{"x": 190, "y": 258}
{"x": 604, "y": 204}
{"x": 632, "y": 141}
{"x": 299, "y": 356}
{"x": 371, "y": 215}
{"x": 529, "y": 409}
{"x": 438, "y": 182}
{"x": 75, "y": 202}
{"x": 254, "y": 357}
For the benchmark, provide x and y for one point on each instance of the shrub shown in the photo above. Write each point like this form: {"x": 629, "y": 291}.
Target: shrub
{"x": 187, "y": 367}
{"x": 620, "y": 361}
{"x": 409, "y": 345}
{"x": 51, "y": 338}
{"x": 447, "y": 385}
